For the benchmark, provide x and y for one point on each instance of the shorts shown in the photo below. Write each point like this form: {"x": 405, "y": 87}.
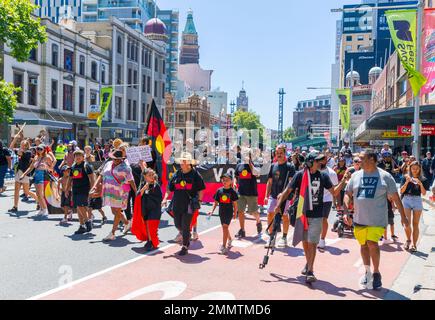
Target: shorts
{"x": 326, "y": 209}
{"x": 250, "y": 201}
{"x": 65, "y": 201}
{"x": 96, "y": 203}
{"x": 368, "y": 233}
{"x": 80, "y": 200}
{"x": 38, "y": 177}
{"x": 390, "y": 214}
{"x": 413, "y": 202}
{"x": 226, "y": 218}
{"x": 314, "y": 230}
{"x": 272, "y": 205}
{"x": 25, "y": 179}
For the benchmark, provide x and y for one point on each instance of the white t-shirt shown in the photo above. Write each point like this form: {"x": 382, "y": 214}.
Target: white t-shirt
{"x": 331, "y": 163}
{"x": 327, "y": 196}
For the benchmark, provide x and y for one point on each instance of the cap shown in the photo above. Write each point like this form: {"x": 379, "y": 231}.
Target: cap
{"x": 386, "y": 153}
{"x": 227, "y": 175}
{"x": 41, "y": 146}
{"x": 315, "y": 155}
{"x": 64, "y": 168}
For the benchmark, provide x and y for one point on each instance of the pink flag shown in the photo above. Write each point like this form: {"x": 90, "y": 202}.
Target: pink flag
{"x": 428, "y": 61}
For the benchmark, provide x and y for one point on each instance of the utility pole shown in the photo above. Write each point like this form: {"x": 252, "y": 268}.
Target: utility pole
{"x": 232, "y": 104}
{"x": 281, "y": 115}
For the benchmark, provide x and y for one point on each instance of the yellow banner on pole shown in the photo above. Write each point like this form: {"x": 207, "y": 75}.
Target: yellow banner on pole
{"x": 105, "y": 99}
{"x": 344, "y": 102}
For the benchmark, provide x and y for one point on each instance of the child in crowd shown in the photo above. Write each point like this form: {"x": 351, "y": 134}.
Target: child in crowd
{"x": 226, "y": 197}
{"x": 394, "y": 238}
{"x": 65, "y": 201}
{"x": 148, "y": 210}
{"x": 96, "y": 201}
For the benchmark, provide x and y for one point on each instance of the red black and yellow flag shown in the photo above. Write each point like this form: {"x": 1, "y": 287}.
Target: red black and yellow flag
{"x": 161, "y": 142}
{"x": 304, "y": 203}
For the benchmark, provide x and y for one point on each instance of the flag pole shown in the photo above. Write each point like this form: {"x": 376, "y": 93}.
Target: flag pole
{"x": 417, "y": 139}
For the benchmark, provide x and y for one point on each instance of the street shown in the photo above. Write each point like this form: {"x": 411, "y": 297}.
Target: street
{"x": 43, "y": 260}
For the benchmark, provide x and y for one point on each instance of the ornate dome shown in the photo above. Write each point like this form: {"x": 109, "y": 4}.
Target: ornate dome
{"x": 355, "y": 75}
{"x": 375, "y": 71}
{"x": 155, "y": 26}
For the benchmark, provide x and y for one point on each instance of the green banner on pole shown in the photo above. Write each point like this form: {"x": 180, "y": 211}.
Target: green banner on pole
{"x": 344, "y": 101}
{"x": 105, "y": 99}
{"x": 403, "y": 28}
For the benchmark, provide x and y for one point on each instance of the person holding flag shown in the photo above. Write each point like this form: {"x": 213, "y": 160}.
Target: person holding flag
{"x": 311, "y": 184}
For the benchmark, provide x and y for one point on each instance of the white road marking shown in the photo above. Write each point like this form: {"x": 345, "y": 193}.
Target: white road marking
{"x": 170, "y": 289}
{"x": 215, "y": 296}
{"x": 94, "y": 275}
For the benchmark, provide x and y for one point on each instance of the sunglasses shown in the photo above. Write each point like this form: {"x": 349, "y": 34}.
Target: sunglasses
{"x": 39, "y": 149}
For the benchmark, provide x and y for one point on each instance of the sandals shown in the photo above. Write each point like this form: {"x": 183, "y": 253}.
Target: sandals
{"x": 413, "y": 249}
{"x": 407, "y": 244}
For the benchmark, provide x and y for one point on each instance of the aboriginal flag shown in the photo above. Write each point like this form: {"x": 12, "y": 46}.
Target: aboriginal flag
{"x": 304, "y": 203}
{"x": 161, "y": 142}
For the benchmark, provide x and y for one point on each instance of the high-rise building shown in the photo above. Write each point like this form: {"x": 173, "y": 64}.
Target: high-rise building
{"x": 189, "y": 44}
{"x": 56, "y": 9}
{"x": 242, "y": 100}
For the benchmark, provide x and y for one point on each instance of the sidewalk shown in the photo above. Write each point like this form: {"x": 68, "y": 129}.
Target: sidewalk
{"x": 417, "y": 279}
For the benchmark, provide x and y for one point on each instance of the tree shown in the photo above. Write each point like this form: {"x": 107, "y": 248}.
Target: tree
{"x": 289, "y": 134}
{"x": 249, "y": 121}
{"x": 22, "y": 33}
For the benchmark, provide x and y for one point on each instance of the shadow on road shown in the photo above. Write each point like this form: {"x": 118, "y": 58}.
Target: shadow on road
{"x": 335, "y": 251}
{"x": 188, "y": 259}
{"x": 81, "y": 237}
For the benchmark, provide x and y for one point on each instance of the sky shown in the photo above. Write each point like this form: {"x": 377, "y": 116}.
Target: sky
{"x": 267, "y": 44}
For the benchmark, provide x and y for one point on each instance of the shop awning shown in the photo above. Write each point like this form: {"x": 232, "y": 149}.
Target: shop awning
{"x": 390, "y": 119}
{"x": 113, "y": 125}
{"x": 33, "y": 118}
{"x": 317, "y": 141}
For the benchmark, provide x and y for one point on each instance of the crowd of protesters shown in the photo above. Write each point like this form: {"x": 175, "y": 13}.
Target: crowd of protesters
{"x": 95, "y": 176}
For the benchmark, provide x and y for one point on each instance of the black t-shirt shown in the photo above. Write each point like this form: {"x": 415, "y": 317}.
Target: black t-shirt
{"x": 80, "y": 180}
{"x": 319, "y": 182}
{"x": 412, "y": 189}
{"x": 226, "y": 197}
{"x": 24, "y": 160}
{"x": 136, "y": 170}
{"x": 387, "y": 166}
{"x": 281, "y": 174}
{"x": 246, "y": 179}
{"x": 152, "y": 203}
{"x": 3, "y": 154}
{"x": 185, "y": 185}
{"x": 99, "y": 155}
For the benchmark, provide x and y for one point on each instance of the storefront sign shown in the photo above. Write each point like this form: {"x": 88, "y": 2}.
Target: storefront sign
{"x": 381, "y": 142}
{"x": 426, "y": 130}
{"x": 393, "y": 135}
{"x": 94, "y": 112}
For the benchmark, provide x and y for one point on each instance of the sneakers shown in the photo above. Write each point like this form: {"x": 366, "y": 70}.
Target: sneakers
{"x": 230, "y": 243}
{"x": 88, "y": 225}
{"x": 387, "y": 241}
{"x": 81, "y": 230}
{"x": 104, "y": 220}
{"x": 178, "y": 238}
{"x": 194, "y": 236}
{"x": 377, "y": 281}
{"x": 70, "y": 217}
{"x": 310, "y": 278}
{"x": 64, "y": 221}
{"x": 322, "y": 244}
{"x": 395, "y": 238}
{"x": 25, "y": 199}
{"x": 282, "y": 243}
{"x": 241, "y": 234}
{"x": 259, "y": 227}
{"x": 305, "y": 270}
{"x": 148, "y": 246}
{"x": 42, "y": 213}
{"x": 110, "y": 237}
{"x": 13, "y": 210}
{"x": 127, "y": 228}
{"x": 366, "y": 280}
{"x": 183, "y": 251}
{"x": 223, "y": 250}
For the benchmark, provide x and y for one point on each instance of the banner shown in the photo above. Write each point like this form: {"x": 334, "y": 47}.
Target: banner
{"x": 402, "y": 25}
{"x": 105, "y": 99}
{"x": 344, "y": 102}
{"x": 135, "y": 154}
{"x": 428, "y": 60}
{"x": 93, "y": 112}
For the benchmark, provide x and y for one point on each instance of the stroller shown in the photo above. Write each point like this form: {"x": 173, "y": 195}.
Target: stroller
{"x": 340, "y": 226}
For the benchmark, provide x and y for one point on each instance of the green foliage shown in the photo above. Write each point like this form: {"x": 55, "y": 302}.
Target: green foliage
{"x": 22, "y": 32}
{"x": 247, "y": 120}
{"x": 289, "y": 134}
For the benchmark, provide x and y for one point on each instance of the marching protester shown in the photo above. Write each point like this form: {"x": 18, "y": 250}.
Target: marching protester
{"x": 65, "y": 200}
{"x": 117, "y": 180}
{"x": 340, "y": 169}
{"x": 89, "y": 157}
{"x": 96, "y": 200}
{"x": 368, "y": 189}
{"x": 68, "y": 158}
{"x": 280, "y": 174}
{"x": 226, "y": 197}
{"x": 412, "y": 189}
{"x": 319, "y": 182}
{"x": 59, "y": 154}
{"x": 426, "y": 166}
{"x": 246, "y": 178}
{"x": 5, "y": 165}
{"x": 98, "y": 153}
{"x": 81, "y": 179}
{"x": 148, "y": 211}
{"x": 187, "y": 186}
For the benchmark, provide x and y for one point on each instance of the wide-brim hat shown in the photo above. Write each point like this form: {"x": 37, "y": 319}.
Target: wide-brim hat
{"x": 186, "y": 156}
{"x": 116, "y": 155}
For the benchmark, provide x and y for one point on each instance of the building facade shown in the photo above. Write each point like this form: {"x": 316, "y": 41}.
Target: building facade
{"x": 59, "y": 83}
{"x": 56, "y": 9}
{"x": 189, "y": 44}
{"x": 312, "y": 113}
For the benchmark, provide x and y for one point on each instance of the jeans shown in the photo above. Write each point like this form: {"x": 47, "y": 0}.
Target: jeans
{"x": 3, "y": 170}
{"x": 182, "y": 222}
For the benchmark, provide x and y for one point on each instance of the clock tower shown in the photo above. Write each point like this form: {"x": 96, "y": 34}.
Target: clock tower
{"x": 242, "y": 100}
{"x": 189, "y": 46}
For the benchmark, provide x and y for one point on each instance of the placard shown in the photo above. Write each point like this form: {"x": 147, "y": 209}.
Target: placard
{"x": 135, "y": 154}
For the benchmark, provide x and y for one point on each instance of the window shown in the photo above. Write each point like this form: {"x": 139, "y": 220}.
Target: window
{"x": 181, "y": 117}
{"x": 128, "y": 49}
{"x": 119, "y": 45}
{"x": 134, "y": 110}
{"x": 129, "y": 109}
{"x": 326, "y": 102}
{"x": 348, "y": 38}
{"x": 118, "y": 108}
{"x": 360, "y": 38}
{"x": 67, "y": 97}
{"x": 143, "y": 57}
{"x": 18, "y": 82}
{"x": 144, "y": 113}
{"x": 54, "y": 94}
{"x": 94, "y": 70}
{"x": 193, "y": 116}
{"x": 33, "y": 55}
{"x": 348, "y": 48}
{"x": 144, "y": 80}
{"x": 315, "y": 103}
{"x": 82, "y": 100}
{"x": 82, "y": 65}
{"x": 148, "y": 84}
{"x": 135, "y": 79}
{"x": 54, "y": 54}
{"x": 129, "y": 76}
{"x": 163, "y": 67}
{"x": 321, "y": 103}
{"x": 68, "y": 58}
{"x": 155, "y": 89}
{"x": 118, "y": 74}
{"x": 402, "y": 87}
{"x": 103, "y": 74}
{"x": 32, "y": 91}
{"x": 309, "y": 104}
{"x": 156, "y": 65}
{"x": 163, "y": 90}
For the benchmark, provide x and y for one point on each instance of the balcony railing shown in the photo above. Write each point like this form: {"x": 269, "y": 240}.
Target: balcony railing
{"x": 119, "y": 3}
